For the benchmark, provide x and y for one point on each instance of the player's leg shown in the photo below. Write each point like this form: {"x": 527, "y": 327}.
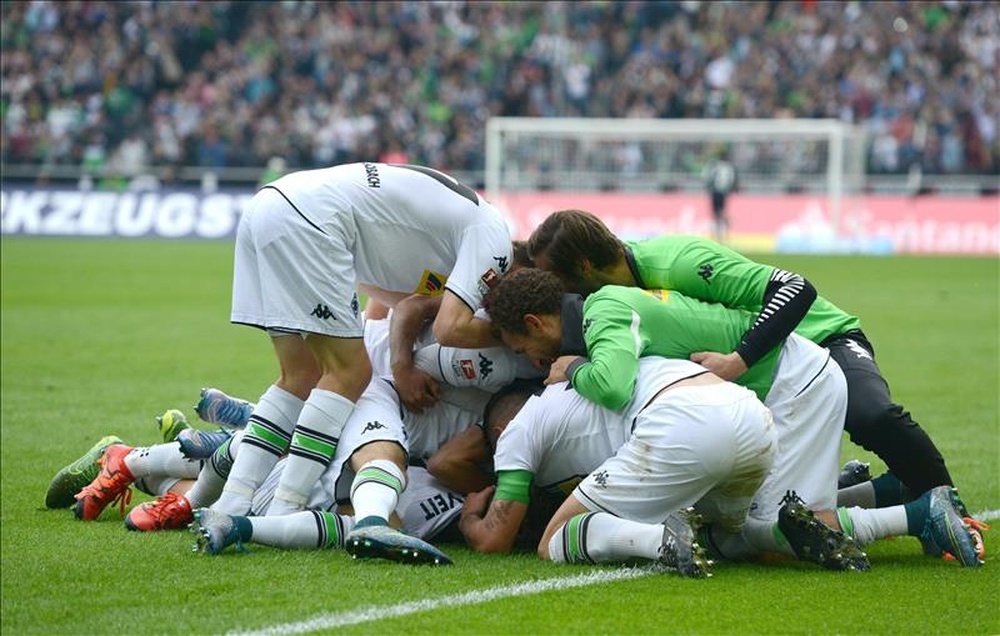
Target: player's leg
{"x": 380, "y": 478}
{"x": 810, "y": 423}
{"x": 934, "y": 518}
{"x": 578, "y": 535}
{"x": 269, "y": 429}
{"x": 346, "y": 372}
{"x": 309, "y": 529}
{"x": 879, "y": 425}
{"x": 122, "y": 465}
{"x": 174, "y": 509}
{"x": 277, "y": 278}
{"x": 426, "y": 508}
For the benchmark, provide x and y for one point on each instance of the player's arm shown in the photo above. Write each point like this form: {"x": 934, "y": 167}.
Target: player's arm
{"x": 786, "y": 301}
{"x": 458, "y": 463}
{"x": 483, "y": 256}
{"x": 491, "y": 525}
{"x": 456, "y": 325}
{"x": 417, "y": 389}
{"x": 607, "y": 376}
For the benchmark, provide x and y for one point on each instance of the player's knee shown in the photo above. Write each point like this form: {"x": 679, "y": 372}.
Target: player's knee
{"x": 543, "y": 548}
{"x": 875, "y": 421}
{"x": 299, "y": 380}
{"x": 550, "y": 547}
{"x": 379, "y": 451}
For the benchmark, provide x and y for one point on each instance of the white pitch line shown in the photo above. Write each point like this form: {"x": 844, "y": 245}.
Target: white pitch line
{"x": 987, "y": 515}
{"x": 367, "y": 614}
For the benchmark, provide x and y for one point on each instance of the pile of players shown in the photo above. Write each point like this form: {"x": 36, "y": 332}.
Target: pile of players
{"x": 600, "y": 400}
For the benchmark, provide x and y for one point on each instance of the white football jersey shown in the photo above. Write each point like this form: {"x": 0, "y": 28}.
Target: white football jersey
{"x": 561, "y": 437}
{"x": 413, "y": 229}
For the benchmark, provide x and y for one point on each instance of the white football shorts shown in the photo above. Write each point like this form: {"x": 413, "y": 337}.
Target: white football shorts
{"x": 288, "y": 275}
{"x": 706, "y": 445}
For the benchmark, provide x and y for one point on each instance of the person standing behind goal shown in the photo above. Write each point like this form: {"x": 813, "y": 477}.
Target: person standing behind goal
{"x": 306, "y": 243}
{"x": 720, "y": 178}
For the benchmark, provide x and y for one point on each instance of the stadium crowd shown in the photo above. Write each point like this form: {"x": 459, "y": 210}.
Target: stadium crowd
{"x": 221, "y": 84}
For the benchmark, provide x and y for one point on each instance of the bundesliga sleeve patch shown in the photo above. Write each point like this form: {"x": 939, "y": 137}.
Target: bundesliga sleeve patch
{"x": 488, "y": 280}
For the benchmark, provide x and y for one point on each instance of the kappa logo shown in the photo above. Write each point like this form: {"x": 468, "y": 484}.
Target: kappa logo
{"x": 858, "y": 350}
{"x": 322, "y": 312}
{"x": 601, "y": 478}
{"x": 355, "y": 305}
{"x": 485, "y": 366}
{"x": 586, "y": 324}
{"x": 372, "y": 426}
{"x": 706, "y": 271}
{"x": 501, "y": 263}
{"x": 468, "y": 369}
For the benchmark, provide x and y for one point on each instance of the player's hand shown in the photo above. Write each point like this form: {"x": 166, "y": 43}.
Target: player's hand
{"x": 417, "y": 390}
{"x": 727, "y": 366}
{"x": 476, "y": 503}
{"x": 557, "y": 370}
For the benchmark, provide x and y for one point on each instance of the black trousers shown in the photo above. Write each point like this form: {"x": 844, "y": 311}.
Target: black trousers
{"x": 879, "y": 425}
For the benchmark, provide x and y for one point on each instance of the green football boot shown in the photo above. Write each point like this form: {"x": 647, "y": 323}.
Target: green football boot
{"x": 72, "y": 479}
{"x": 170, "y": 424}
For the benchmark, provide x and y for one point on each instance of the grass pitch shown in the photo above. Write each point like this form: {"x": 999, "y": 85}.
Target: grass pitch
{"x": 100, "y": 336}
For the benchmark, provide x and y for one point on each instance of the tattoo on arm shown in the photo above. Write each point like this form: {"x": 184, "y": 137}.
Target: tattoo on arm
{"x": 497, "y": 515}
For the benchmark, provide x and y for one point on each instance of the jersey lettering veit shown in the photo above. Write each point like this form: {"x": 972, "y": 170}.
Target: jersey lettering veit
{"x": 439, "y": 504}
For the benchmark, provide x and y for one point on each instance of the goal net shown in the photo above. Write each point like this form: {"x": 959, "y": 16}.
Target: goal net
{"x": 824, "y": 157}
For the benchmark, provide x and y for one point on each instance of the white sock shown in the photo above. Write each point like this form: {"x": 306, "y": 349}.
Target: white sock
{"x": 213, "y": 475}
{"x": 764, "y": 536}
{"x": 268, "y": 433}
{"x": 309, "y": 529}
{"x": 862, "y": 495}
{"x": 161, "y": 460}
{"x": 376, "y": 488}
{"x": 868, "y": 524}
{"x": 313, "y": 444}
{"x": 599, "y": 537}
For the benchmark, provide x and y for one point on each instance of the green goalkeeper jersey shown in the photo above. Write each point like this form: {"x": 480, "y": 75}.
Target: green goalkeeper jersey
{"x": 623, "y": 324}
{"x": 706, "y": 270}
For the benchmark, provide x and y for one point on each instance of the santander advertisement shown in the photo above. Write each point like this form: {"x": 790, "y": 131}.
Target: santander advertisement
{"x": 788, "y": 223}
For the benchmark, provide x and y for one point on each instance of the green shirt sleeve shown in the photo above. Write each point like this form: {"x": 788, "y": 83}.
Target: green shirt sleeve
{"x": 514, "y": 485}
{"x": 614, "y": 344}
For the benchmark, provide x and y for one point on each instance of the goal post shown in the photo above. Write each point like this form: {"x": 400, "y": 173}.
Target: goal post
{"x": 818, "y": 156}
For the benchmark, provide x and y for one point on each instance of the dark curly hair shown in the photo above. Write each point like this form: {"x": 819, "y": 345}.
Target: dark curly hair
{"x": 567, "y": 237}
{"x": 520, "y": 292}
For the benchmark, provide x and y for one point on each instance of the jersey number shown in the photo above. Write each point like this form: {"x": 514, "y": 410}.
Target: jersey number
{"x": 460, "y": 189}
